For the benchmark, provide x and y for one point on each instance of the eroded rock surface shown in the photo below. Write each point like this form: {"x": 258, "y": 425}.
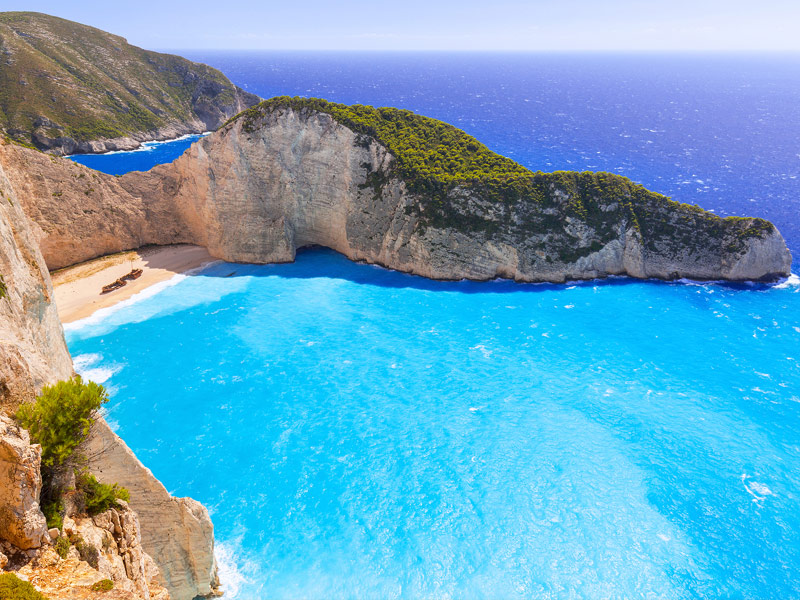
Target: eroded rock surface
{"x": 32, "y": 348}
{"x": 33, "y": 353}
{"x": 21, "y": 521}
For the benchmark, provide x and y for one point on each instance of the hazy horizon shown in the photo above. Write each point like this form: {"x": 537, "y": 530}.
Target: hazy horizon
{"x": 445, "y": 26}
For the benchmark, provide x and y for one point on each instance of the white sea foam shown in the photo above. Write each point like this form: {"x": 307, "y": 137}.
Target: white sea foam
{"x": 486, "y": 352}
{"x": 84, "y": 361}
{"x": 760, "y": 488}
{"x": 99, "y": 374}
{"x": 145, "y": 146}
{"x": 231, "y": 567}
{"x": 86, "y": 365}
{"x": 103, "y": 313}
{"x": 758, "y": 491}
{"x": 793, "y": 281}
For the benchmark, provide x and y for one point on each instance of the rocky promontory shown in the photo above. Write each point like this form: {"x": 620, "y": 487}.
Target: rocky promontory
{"x": 388, "y": 187}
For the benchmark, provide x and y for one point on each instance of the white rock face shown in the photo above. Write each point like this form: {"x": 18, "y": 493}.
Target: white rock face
{"x": 258, "y": 192}
{"x": 176, "y": 532}
{"x": 21, "y": 521}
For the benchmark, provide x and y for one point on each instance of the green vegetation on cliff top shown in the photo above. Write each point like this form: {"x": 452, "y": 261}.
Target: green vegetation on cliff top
{"x": 441, "y": 163}
{"x": 63, "y": 79}
{"x": 432, "y": 155}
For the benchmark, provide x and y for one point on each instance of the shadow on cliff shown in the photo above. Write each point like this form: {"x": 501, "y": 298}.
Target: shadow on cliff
{"x": 317, "y": 261}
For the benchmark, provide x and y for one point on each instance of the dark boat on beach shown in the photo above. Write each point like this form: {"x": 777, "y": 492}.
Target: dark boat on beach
{"x": 114, "y": 286}
{"x": 134, "y": 274}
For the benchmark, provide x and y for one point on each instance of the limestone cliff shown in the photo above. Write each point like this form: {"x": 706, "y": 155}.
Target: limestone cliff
{"x": 177, "y": 532}
{"x": 291, "y": 173}
{"x": 286, "y": 175}
{"x": 78, "y": 213}
{"x": 32, "y": 348}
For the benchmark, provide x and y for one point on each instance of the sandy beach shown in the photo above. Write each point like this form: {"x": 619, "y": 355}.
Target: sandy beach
{"x": 77, "y": 288}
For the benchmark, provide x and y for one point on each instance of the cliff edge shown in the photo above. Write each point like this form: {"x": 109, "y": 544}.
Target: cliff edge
{"x": 413, "y": 194}
{"x": 176, "y": 532}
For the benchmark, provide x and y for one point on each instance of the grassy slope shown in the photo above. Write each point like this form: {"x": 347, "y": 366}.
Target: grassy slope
{"x": 94, "y": 84}
{"x": 436, "y": 159}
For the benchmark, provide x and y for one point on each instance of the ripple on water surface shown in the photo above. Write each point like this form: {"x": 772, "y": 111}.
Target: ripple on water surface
{"x": 362, "y": 433}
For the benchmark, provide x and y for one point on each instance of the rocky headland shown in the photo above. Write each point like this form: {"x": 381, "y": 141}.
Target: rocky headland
{"x": 68, "y": 88}
{"x": 391, "y": 188}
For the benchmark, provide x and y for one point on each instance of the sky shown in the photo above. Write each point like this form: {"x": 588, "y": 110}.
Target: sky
{"x": 499, "y": 25}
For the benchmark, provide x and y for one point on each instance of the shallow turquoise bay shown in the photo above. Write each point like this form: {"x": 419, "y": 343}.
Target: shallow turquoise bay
{"x": 362, "y": 433}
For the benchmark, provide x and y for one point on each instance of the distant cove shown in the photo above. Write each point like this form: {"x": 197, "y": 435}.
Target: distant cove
{"x": 144, "y": 158}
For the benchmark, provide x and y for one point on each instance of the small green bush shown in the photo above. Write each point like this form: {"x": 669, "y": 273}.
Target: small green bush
{"x": 3, "y": 288}
{"x": 60, "y": 420}
{"x": 104, "y": 585}
{"x": 14, "y": 588}
{"x": 54, "y": 513}
{"x": 88, "y": 552}
{"x": 99, "y": 497}
{"x": 62, "y": 546}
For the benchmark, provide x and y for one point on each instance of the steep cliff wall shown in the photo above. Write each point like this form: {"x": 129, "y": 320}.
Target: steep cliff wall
{"x": 283, "y": 176}
{"x": 32, "y": 348}
{"x": 79, "y": 214}
{"x": 177, "y": 532}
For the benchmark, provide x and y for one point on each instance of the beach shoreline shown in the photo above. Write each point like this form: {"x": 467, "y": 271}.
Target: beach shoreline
{"x": 77, "y": 288}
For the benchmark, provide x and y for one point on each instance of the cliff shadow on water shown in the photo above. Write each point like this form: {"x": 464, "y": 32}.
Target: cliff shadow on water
{"x": 318, "y": 261}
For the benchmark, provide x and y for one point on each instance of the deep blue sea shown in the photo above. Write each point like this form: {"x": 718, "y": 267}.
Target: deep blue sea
{"x": 359, "y": 433}
{"x": 144, "y": 158}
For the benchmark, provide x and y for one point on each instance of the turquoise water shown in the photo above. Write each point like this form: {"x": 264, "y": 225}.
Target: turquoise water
{"x": 362, "y": 433}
